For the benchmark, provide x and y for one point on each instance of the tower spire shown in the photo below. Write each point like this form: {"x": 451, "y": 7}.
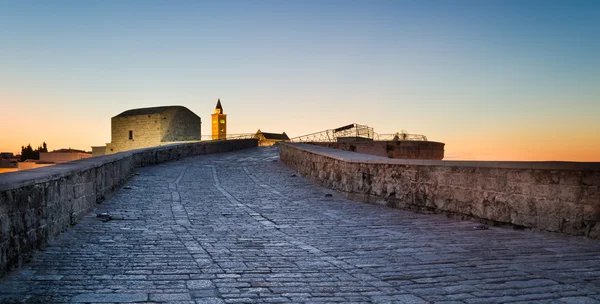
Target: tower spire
{"x": 219, "y": 122}
{"x": 219, "y": 107}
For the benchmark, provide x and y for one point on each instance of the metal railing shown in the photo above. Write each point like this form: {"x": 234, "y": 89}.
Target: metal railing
{"x": 331, "y": 135}
{"x": 356, "y": 130}
{"x": 400, "y": 136}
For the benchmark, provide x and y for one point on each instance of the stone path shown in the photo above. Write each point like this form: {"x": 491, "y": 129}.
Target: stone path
{"x": 240, "y": 228}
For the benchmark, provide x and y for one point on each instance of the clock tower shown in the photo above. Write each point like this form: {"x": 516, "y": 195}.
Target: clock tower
{"x": 219, "y": 122}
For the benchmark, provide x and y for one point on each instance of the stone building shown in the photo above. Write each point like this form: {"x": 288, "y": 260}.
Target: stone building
{"x": 150, "y": 127}
{"x": 32, "y": 164}
{"x": 8, "y": 162}
{"x": 269, "y": 139}
{"x": 63, "y": 155}
{"x": 219, "y": 122}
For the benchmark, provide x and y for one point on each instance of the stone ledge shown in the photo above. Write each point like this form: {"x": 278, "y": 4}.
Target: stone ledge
{"x": 353, "y": 157}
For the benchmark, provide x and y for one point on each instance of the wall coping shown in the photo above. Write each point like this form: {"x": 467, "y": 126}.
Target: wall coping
{"x": 18, "y": 179}
{"x": 354, "y": 157}
{"x": 362, "y": 142}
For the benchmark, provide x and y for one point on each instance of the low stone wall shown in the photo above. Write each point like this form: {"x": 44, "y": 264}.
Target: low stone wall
{"x": 405, "y": 149}
{"x": 553, "y": 196}
{"x": 38, "y": 204}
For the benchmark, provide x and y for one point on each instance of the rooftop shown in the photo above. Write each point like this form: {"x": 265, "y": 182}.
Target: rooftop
{"x": 68, "y": 151}
{"x": 149, "y": 111}
{"x": 275, "y": 136}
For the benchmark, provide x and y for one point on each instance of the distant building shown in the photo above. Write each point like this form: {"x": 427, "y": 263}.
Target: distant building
{"x": 6, "y": 155}
{"x": 269, "y": 139}
{"x": 46, "y": 159}
{"x": 150, "y": 127}
{"x": 32, "y": 164}
{"x": 98, "y": 150}
{"x": 219, "y": 122}
{"x": 8, "y": 162}
{"x": 63, "y": 155}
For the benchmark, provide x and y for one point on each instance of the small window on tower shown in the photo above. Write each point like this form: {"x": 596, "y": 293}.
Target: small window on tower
{"x": 130, "y": 135}
{"x": 222, "y": 130}
{"x": 222, "y": 121}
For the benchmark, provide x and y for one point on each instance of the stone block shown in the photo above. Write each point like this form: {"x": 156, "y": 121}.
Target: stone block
{"x": 590, "y": 178}
{"x": 591, "y": 212}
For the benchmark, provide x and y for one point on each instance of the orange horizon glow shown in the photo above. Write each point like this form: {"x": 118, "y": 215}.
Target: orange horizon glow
{"x": 525, "y": 145}
{"x": 533, "y": 140}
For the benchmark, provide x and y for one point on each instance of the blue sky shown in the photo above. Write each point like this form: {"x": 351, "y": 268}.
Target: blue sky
{"x": 492, "y": 79}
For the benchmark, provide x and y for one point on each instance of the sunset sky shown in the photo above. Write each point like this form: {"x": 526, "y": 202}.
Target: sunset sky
{"x": 494, "y": 80}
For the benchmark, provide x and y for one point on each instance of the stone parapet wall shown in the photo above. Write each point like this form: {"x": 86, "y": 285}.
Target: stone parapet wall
{"x": 38, "y": 204}
{"x": 406, "y": 149}
{"x": 553, "y": 196}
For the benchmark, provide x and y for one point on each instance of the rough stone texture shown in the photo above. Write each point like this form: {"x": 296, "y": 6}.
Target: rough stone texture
{"x": 170, "y": 124}
{"x": 405, "y": 149}
{"x": 40, "y": 203}
{"x": 180, "y": 125}
{"x": 554, "y": 196}
{"x": 240, "y": 228}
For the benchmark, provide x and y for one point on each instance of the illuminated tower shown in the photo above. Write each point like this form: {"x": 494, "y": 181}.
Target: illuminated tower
{"x": 219, "y": 122}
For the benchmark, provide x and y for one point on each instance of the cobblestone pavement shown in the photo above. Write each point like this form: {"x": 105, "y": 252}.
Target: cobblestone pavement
{"x": 242, "y": 228}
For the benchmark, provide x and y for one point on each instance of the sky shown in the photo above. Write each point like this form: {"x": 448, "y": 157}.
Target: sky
{"x": 494, "y": 80}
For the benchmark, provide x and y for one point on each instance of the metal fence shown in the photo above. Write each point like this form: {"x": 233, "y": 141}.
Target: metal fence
{"x": 355, "y": 130}
{"x": 331, "y": 135}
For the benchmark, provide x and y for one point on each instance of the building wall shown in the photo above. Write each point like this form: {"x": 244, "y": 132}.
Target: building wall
{"x": 179, "y": 124}
{"x": 60, "y": 157}
{"x": 554, "y": 196}
{"x": 98, "y": 150}
{"x": 7, "y": 163}
{"x": 407, "y": 149}
{"x": 146, "y": 132}
{"x": 263, "y": 142}
{"x": 30, "y": 165}
{"x": 151, "y": 130}
{"x": 36, "y": 205}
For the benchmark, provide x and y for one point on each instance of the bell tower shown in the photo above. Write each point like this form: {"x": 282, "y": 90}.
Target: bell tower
{"x": 219, "y": 122}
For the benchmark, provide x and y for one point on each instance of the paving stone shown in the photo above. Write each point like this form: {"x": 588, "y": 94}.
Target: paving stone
{"x": 200, "y": 284}
{"x": 210, "y": 301}
{"x": 204, "y": 293}
{"x": 169, "y": 297}
{"x": 236, "y": 228}
{"x": 578, "y": 300}
{"x": 110, "y": 298}
{"x": 405, "y": 298}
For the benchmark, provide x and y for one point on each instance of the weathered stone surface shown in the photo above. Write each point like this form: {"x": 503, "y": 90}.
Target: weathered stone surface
{"x": 405, "y": 149}
{"x": 150, "y": 127}
{"x": 241, "y": 229}
{"x": 553, "y": 196}
{"x": 40, "y": 203}
{"x": 110, "y": 298}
